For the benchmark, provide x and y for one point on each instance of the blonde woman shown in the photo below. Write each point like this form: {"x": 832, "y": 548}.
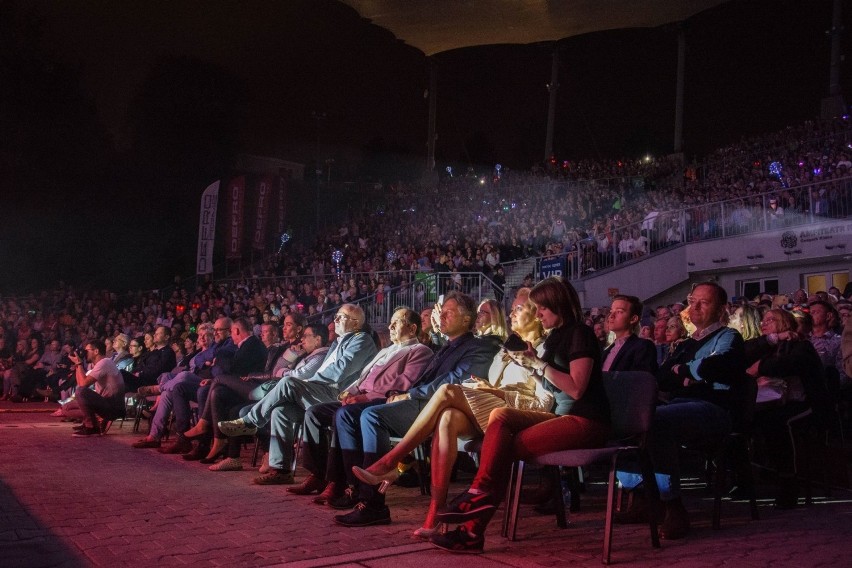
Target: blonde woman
{"x": 462, "y": 412}
{"x": 491, "y": 321}
{"x": 746, "y": 320}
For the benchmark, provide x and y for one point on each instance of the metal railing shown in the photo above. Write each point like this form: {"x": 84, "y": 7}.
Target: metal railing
{"x": 418, "y": 295}
{"x": 753, "y": 214}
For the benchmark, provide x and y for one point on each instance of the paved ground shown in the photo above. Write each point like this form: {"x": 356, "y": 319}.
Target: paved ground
{"x": 69, "y": 502}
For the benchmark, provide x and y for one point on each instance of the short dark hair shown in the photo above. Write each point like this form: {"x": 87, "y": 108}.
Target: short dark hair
{"x": 98, "y": 345}
{"x": 635, "y": 303}
{"x": 244, "y": 324}
{"x": 720, "y": 293}
{"x": 320, "y": 331}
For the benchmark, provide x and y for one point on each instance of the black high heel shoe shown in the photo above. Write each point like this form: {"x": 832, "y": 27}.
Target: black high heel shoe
{"x": 216, "y": 456}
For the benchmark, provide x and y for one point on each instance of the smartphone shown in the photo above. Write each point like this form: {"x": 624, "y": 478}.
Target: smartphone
{"x": 515, "y": 343}
{"x": 441, "y": 300}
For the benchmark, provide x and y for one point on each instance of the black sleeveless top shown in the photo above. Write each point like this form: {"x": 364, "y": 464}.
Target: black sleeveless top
{"x": 563, "y": 345}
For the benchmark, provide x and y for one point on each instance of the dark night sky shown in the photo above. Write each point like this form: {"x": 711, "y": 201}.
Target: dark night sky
{"x": 752, "y": 66}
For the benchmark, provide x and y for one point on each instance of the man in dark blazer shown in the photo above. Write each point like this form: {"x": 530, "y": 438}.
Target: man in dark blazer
{"x": 342, "y": 365}
{"x": 364, "y": 430}
{"x": 628, "y": 352}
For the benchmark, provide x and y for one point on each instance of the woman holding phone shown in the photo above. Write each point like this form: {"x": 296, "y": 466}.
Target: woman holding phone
{"x": 570, "y": 368}
{"x": 462, "y": 411}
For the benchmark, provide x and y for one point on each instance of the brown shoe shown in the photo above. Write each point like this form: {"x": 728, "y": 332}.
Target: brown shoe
{"x": 312, "y": 484}
{"x": 181, "y": 446}
{"x": 197, "y": 453}
{"x": 676, "y": 524}
{"x": 274, "y": 477}
{"x": 145, "y": 443}
{"x": 331, "y": 491}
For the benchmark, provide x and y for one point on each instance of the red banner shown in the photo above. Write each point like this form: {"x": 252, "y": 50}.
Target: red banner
{"x": 236, "y": 199}
{"x": 264, "y": 197}
{"x": 282, "y": 194}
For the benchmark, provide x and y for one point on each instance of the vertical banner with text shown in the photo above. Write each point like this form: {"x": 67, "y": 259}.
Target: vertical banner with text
{"x": 236, "y": 200}
{"x": 264, "y": 197}
{"x": 282, "y": 194}
{"x": 207, "y": 229}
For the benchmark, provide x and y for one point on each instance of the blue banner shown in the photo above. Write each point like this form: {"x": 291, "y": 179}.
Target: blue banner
{"x": 551, "y": 266}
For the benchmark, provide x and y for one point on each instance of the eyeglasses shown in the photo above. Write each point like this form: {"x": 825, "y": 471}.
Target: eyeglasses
{"x": 221, "y": 329}
{"x": 343, "y": 317}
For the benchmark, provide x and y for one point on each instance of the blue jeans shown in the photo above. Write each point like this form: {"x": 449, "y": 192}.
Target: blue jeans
{"x": 683, "y": 421}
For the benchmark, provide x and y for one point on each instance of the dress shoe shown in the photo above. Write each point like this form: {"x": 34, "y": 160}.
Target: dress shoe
{"x": 87, "y": 432}
{"x": 312, "y": 484}
{"x": 227, "y": 464}
{"x": 181, "y": 446}
{"x": 344, "y": 501}
{"x": 197, "y": 453}
{"x": 364, "y": 516}
{"x": 676, "y": 523}
{"x": 212, "y": 459}
{"x": 331, "y": 491}
{"x": 274, "y": 477}
{"x": 238, "y": 427}
{"x": 145, "y": 443}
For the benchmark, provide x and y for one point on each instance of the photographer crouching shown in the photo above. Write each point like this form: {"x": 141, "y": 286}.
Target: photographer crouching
{"x": 106, "y": 400}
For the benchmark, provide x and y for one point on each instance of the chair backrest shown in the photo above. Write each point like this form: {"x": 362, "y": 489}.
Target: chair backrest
{"x": 632, "y": 397}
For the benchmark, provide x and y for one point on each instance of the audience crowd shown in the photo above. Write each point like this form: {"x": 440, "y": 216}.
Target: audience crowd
{"x": 255, "y": 355}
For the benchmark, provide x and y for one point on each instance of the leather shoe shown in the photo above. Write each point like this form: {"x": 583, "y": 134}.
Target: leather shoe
{"x": 145, "y": 443}
{"x": 197, "y": 453}
{"x": 274, "y": 477}
{"x": 331, "y": 491}
{"x": 344, "y": 501}
{"x": 676, "y": 524}
{"x": 181, "y": 446}
{"x": 312, "y": 484}
{"x": 364, "y": 516}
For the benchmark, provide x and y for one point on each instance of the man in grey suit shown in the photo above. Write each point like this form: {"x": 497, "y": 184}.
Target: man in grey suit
{"x": 346, "y": 356}
{"x": 394, "y": 368}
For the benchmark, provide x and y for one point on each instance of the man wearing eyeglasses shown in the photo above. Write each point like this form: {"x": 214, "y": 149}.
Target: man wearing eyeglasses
{"x": 706, "y": 379}
{"x": 288, "y": 400}
{"x": 394, "y": 368}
